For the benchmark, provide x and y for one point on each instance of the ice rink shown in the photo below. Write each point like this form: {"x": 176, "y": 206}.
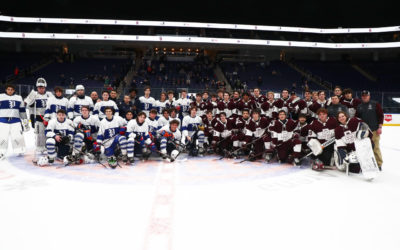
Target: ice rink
{"x": 198, "y": 204}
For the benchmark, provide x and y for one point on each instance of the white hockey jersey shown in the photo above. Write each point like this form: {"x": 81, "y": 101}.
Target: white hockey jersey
{"x": 110, "y": 128}
{"x": 153, "y": 124}
{"x": 56, "y": 127}
{"x": 162, "y": 121}
{"x": 140, "y": 130}
{"x": 146, "y": 104}
{"x": 190, "y": 124}
{"x": 184, "y": 104}
{"x": 34, "y": 98}
{"x": 53, "y": 105}
{"x": 177, "y": 134}
{"x": 12, "y": 108}
{"x": 160, "y": 106}
{"x": 101, "y": 106}
{"x": 75, "y": 104}
{"x": 92, "y": 121}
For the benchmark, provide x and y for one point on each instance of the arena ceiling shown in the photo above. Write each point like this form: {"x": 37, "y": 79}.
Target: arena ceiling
{"x": 306, "y": 13}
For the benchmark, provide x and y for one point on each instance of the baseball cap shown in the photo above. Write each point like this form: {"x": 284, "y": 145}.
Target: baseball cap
{"x": 365, "y": 92}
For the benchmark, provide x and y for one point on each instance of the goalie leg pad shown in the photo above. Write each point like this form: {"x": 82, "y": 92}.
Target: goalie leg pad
{"x": 5, "y": 133}
{"x": 340, "y": 159}
{"x": 17, "y": 141}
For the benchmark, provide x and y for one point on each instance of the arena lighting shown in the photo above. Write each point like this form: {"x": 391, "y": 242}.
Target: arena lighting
{"x": 203, "y": 40}
{"x": 196, "y": 25}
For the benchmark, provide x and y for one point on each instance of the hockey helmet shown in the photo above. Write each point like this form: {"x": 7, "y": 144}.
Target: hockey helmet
{"x": 41, "y": 82}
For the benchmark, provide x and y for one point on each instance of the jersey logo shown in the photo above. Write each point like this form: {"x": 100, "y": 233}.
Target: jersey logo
{"x": 11, "y": 103}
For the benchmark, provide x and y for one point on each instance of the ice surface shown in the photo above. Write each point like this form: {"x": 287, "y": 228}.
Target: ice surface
{"x": 199, "y": 204}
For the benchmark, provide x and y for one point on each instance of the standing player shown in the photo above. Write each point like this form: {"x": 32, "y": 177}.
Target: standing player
{"x": 245, "y": 103}
{"x": 223, "y": 105}
{"x": 184, "y": 104}
{"x": 37, "y": 101}
{"x": 283, "y": 102}
{"x": 146, "y": 102}
{"x": 258, "y": 98}
{"x": 12, "y": 114}
{"x": 267, "y": 108}
{"x": 318, "y": 104}
{"x": 297, "y": 106}
{"x": 164, "y": 119}
{"x": 55, "y": 103}
{"x": 76, "y": 102}
{"x": 112, "y": 134}
{"x": 350, "y": 102}
{"x": 161, "y": 104}
{"x": 102, "y": 105}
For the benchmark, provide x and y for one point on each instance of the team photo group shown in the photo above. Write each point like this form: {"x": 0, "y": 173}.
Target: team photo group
{"x": 340, "y": 132}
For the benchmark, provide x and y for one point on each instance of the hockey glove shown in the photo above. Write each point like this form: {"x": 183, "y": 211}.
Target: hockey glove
{"x": 122, "y": 130}
{"x": 96, "y": 147}
{"x": 153, "y": 147}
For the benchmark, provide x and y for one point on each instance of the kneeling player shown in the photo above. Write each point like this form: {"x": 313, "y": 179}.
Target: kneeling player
{"x": 345, "y": 135}
{"x": 285, "y": 140}
{"x": 322, "y": 131}
{"x": 222, "y": 141}
{"x": 87, "y": 127}
{"x": 192, "y": 134}
{"x": 111, "y": 135}
{"x": 167, "y": 137}
{"x": 59, "y": 133}
{"x": 139, "y": 137}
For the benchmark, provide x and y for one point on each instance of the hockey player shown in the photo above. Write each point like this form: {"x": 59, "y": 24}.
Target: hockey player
{"x": 297, "y": 106}
{"x": 214, "y": 104}
{"x": 161, "y": 104}
{"x": 171, "y": 103}
{"x": 37, "y": 101}
{"x": 239, "y": 131}
{"x": 59, "y": 133}
{"x": 320, "y": 103}
{"x": 139, "y": 138}
{"x": 259, "y": 99}
{"x": 205, "y": 105}
{"x": 12, "y": 114}
{"x": 87, "y": 127}
{"x": 345, "y": 134}
{"x": 302, "y": 128}
{"x": 282, "y": 103}
{"x": 152, "y": 123}
{"x": 267, "y": 108}
{"x": 197, "y": 103}
{"x": 337, "y": 91}
{"x": 320, "y": 131}
{"x": 208, "y": 122}
{"x": 164, "y": 119}
{"x": 55, "y": 103}
{"x": 146, "y": 102}
{"x": 102, "y": 105}
{"x": 245, "y": 103}
{"x": 222, "y": 141}
{"x": 309, "y": 101}
{"x": 256, "y": 132}
{"x": 184, "y": 104}
{"x": 77, "y": 101}
{"x": 173, "y": 115}
{"x": 350, "y": 102}
{"x": 112, "y": 134}
{"x": 233, "y": 104}
{"x": 284, "y": 139}
{"x": 167, "y": 136}
{"x": 191, "y": 133}
{"x": 223, "y": 105}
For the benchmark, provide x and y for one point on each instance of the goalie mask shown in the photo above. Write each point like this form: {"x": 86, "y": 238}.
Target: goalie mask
{"x": 41, "y": 82}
